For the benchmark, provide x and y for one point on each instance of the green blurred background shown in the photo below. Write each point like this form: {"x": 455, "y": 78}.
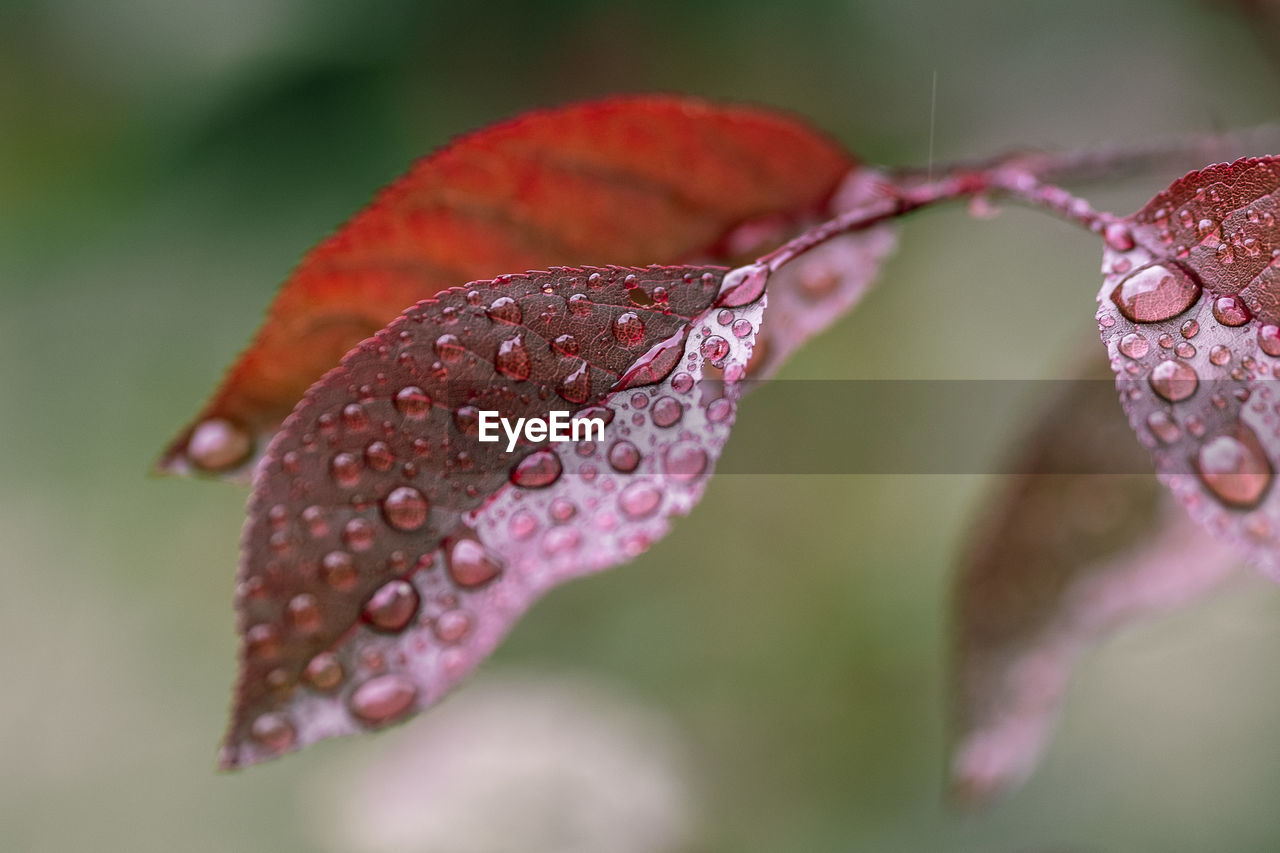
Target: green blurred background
{"x": 769, "y": 677}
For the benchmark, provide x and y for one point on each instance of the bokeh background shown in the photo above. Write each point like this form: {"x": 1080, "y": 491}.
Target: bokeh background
{"x": 768, "y": 678}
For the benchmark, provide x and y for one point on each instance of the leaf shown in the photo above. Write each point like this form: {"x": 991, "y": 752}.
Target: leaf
{"x": 631, "y": 180}
{"x": 1071, "y": 548}
{"x": 388, "y": 549}
{"x": 1189, "y": 311}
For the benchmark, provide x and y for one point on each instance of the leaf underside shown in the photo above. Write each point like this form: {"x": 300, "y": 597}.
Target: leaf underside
{"x": 629, "y": 180}
{"x": 388, "y": 550}
{"x": 1188, "y": 311}
{"x": 1061, "y": 560}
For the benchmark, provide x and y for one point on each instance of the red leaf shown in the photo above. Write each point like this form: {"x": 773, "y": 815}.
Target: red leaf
{"x": 1060, "y": 561}
{"x": 1189, "y": 312}
{"x": 631, "y": 180}
{"x": 388, "y": 549}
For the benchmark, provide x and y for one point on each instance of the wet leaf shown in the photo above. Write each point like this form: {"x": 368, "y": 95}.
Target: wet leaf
{"x": 388, "y": 549}
{"x": 633, "y": 180}
{"x": 1189, "y": 312}
{"x": 1067, "y": 552}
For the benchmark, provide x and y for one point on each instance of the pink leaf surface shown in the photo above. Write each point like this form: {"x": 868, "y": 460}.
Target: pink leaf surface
{"x": 1189, "y": 312}
{"x": 388, "y": 550}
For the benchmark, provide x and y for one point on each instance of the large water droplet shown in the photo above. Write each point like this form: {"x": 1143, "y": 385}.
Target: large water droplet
{"x": 666, "y": 411}
{"x": 1230, "y": 311}
{"x": 217, "y": 443}
{"x": 1134, "y": 345}
{"x": 513, "y": 358}
{"x": 1234, "y": 468}
{"x": 405, "y": 508}
{"x": 576, "y": 387}
{"x": 383, "y": 699}
{"x": 628, "y": 328}
{"x": 537, "y": 470}
{"x": 470, "y": 564}
{"x": 1173, "y": 380}
{"x": 1155, "y": 293}
{"x": 392, "y": 606}
{"x": 714, "y": 349}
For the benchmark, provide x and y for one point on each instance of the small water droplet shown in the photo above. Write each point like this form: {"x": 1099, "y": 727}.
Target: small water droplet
{"x": 449, "y": 348}
{"x": 504, "y": 309}
{"x": 358, "y": 534}
{"x": 1219, "y": 355}
{"x": 378, "y": 456}
{"x": 666, "y": 411}
{"x": 262, "y": 642}
{"x": 742, "y": 328}
{"x": 714, "y": 349}
{"x": 523, "y": 524}
{"x": 383, "y": 699}
{"x": 391, "y": 607}
{"x": 639, "y": 500}
{"x": 273, "y": 730}
{"x": 339, "y": 571}
{"x": 576, "y": 387}
{"x": 324, "y": 672}
{"x": 470, "y": 564}
{"x": 628, "y": 328}
{"x": 1185, "y": 350}
{"x": 537, "y": 470}
{"x": 413, "y": 402}
{"x": 1234, "y": 468}
{"x": 1134, "y": 345}
{"x": 1173, "y": 380}
{"x": 562, "y": 510}
{"x": 452, "y": 626}
{"x": 405, "y": 508}
{"x": 565, "y": 345}
{"x": 513, "y": 358}
{"x": 1269, "y": 340}
{"x": 1118, "y": 236}
{"x": 304, "y": 613}
{"x": 1189, "y": 329}
{"x": 624, "y": 456}
{"x": 1163, "y": 427}
{"x": 682, "y": 383}
{"x": 1230, "y": 311}
{"x": 345, "y": 468}
{"x": 1156, "y": 293}
{"x": 216, "y": 444}
{"x": 684, "y": 460}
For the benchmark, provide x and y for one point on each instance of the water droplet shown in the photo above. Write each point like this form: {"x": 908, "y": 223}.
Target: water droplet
{"x": 1163, "y": 427}
{"x": 383, "y": 699}
{"x": 743, "y": 285}
{"x": 405, "y": 508}
{"x": 273, "y": 730}
{"x": 639, "y": 500}
{"x": 714, "y": 349}
{"x": 666, "y": 411}
{"x": 537, "y": 470}
{"x": 562, "y": 510}
{"x": 391, "y": 607}
{"x": 1118, "y": 236}
{"x": 682, "y": 383}
{"x": 560, "y": 539}
{"x": 628, "y": 328}
{"x": 452, "y": 626}
{"x": 1230, "y": 311}
{"x": 580, "y": 304}
{"x": 358, "y": 534}
{"x": 576, "y": 387}
{"x": 1234, "y": 468}
{"x": 262, "y": 642}
{"x": 719, "y": 410}
{"x": 449, "y": 348}
{"x": 513, "y": 358}
{"x": 1134, "y": 345}
{"x": 304, "y": 613}
{"x": 523, "y": 524}
{"x": 565, "y": 345}
{"x": 316, "y": 522}
{"x": 470, "y": 563}
{"x": 217, "y": 443}
{"x": 1189, "y": 329}
{"x": 1269, "y": 340}
{"x": 324, "y": 672}
{"x": 624, "y": 456}
{"x": 345, "y": 468}
{"x": 1185, "y": 350}
{"x": 504, "y": 309}
{"x": 1220, "y": 355}
{"x": 413, "y": 402}
{"x": 1173, "y": 380}
{"x": 1155, "y": 293}
{"x": 742, "y": 328}
{"x": 378, "y": 456}
{"x": 684, "y": 460}
{"x": 339, "y": 571}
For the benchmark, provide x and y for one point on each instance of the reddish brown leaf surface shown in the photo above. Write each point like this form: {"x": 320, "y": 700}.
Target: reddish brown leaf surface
{"x": 388, "y": 549}
{"x": 632, "y": 180}
{"x": 1189, "y": 312}
{"x": 1061, "y": 560}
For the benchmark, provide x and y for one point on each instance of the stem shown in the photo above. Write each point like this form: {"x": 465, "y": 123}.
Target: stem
{"x": 1029, "y": 178}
